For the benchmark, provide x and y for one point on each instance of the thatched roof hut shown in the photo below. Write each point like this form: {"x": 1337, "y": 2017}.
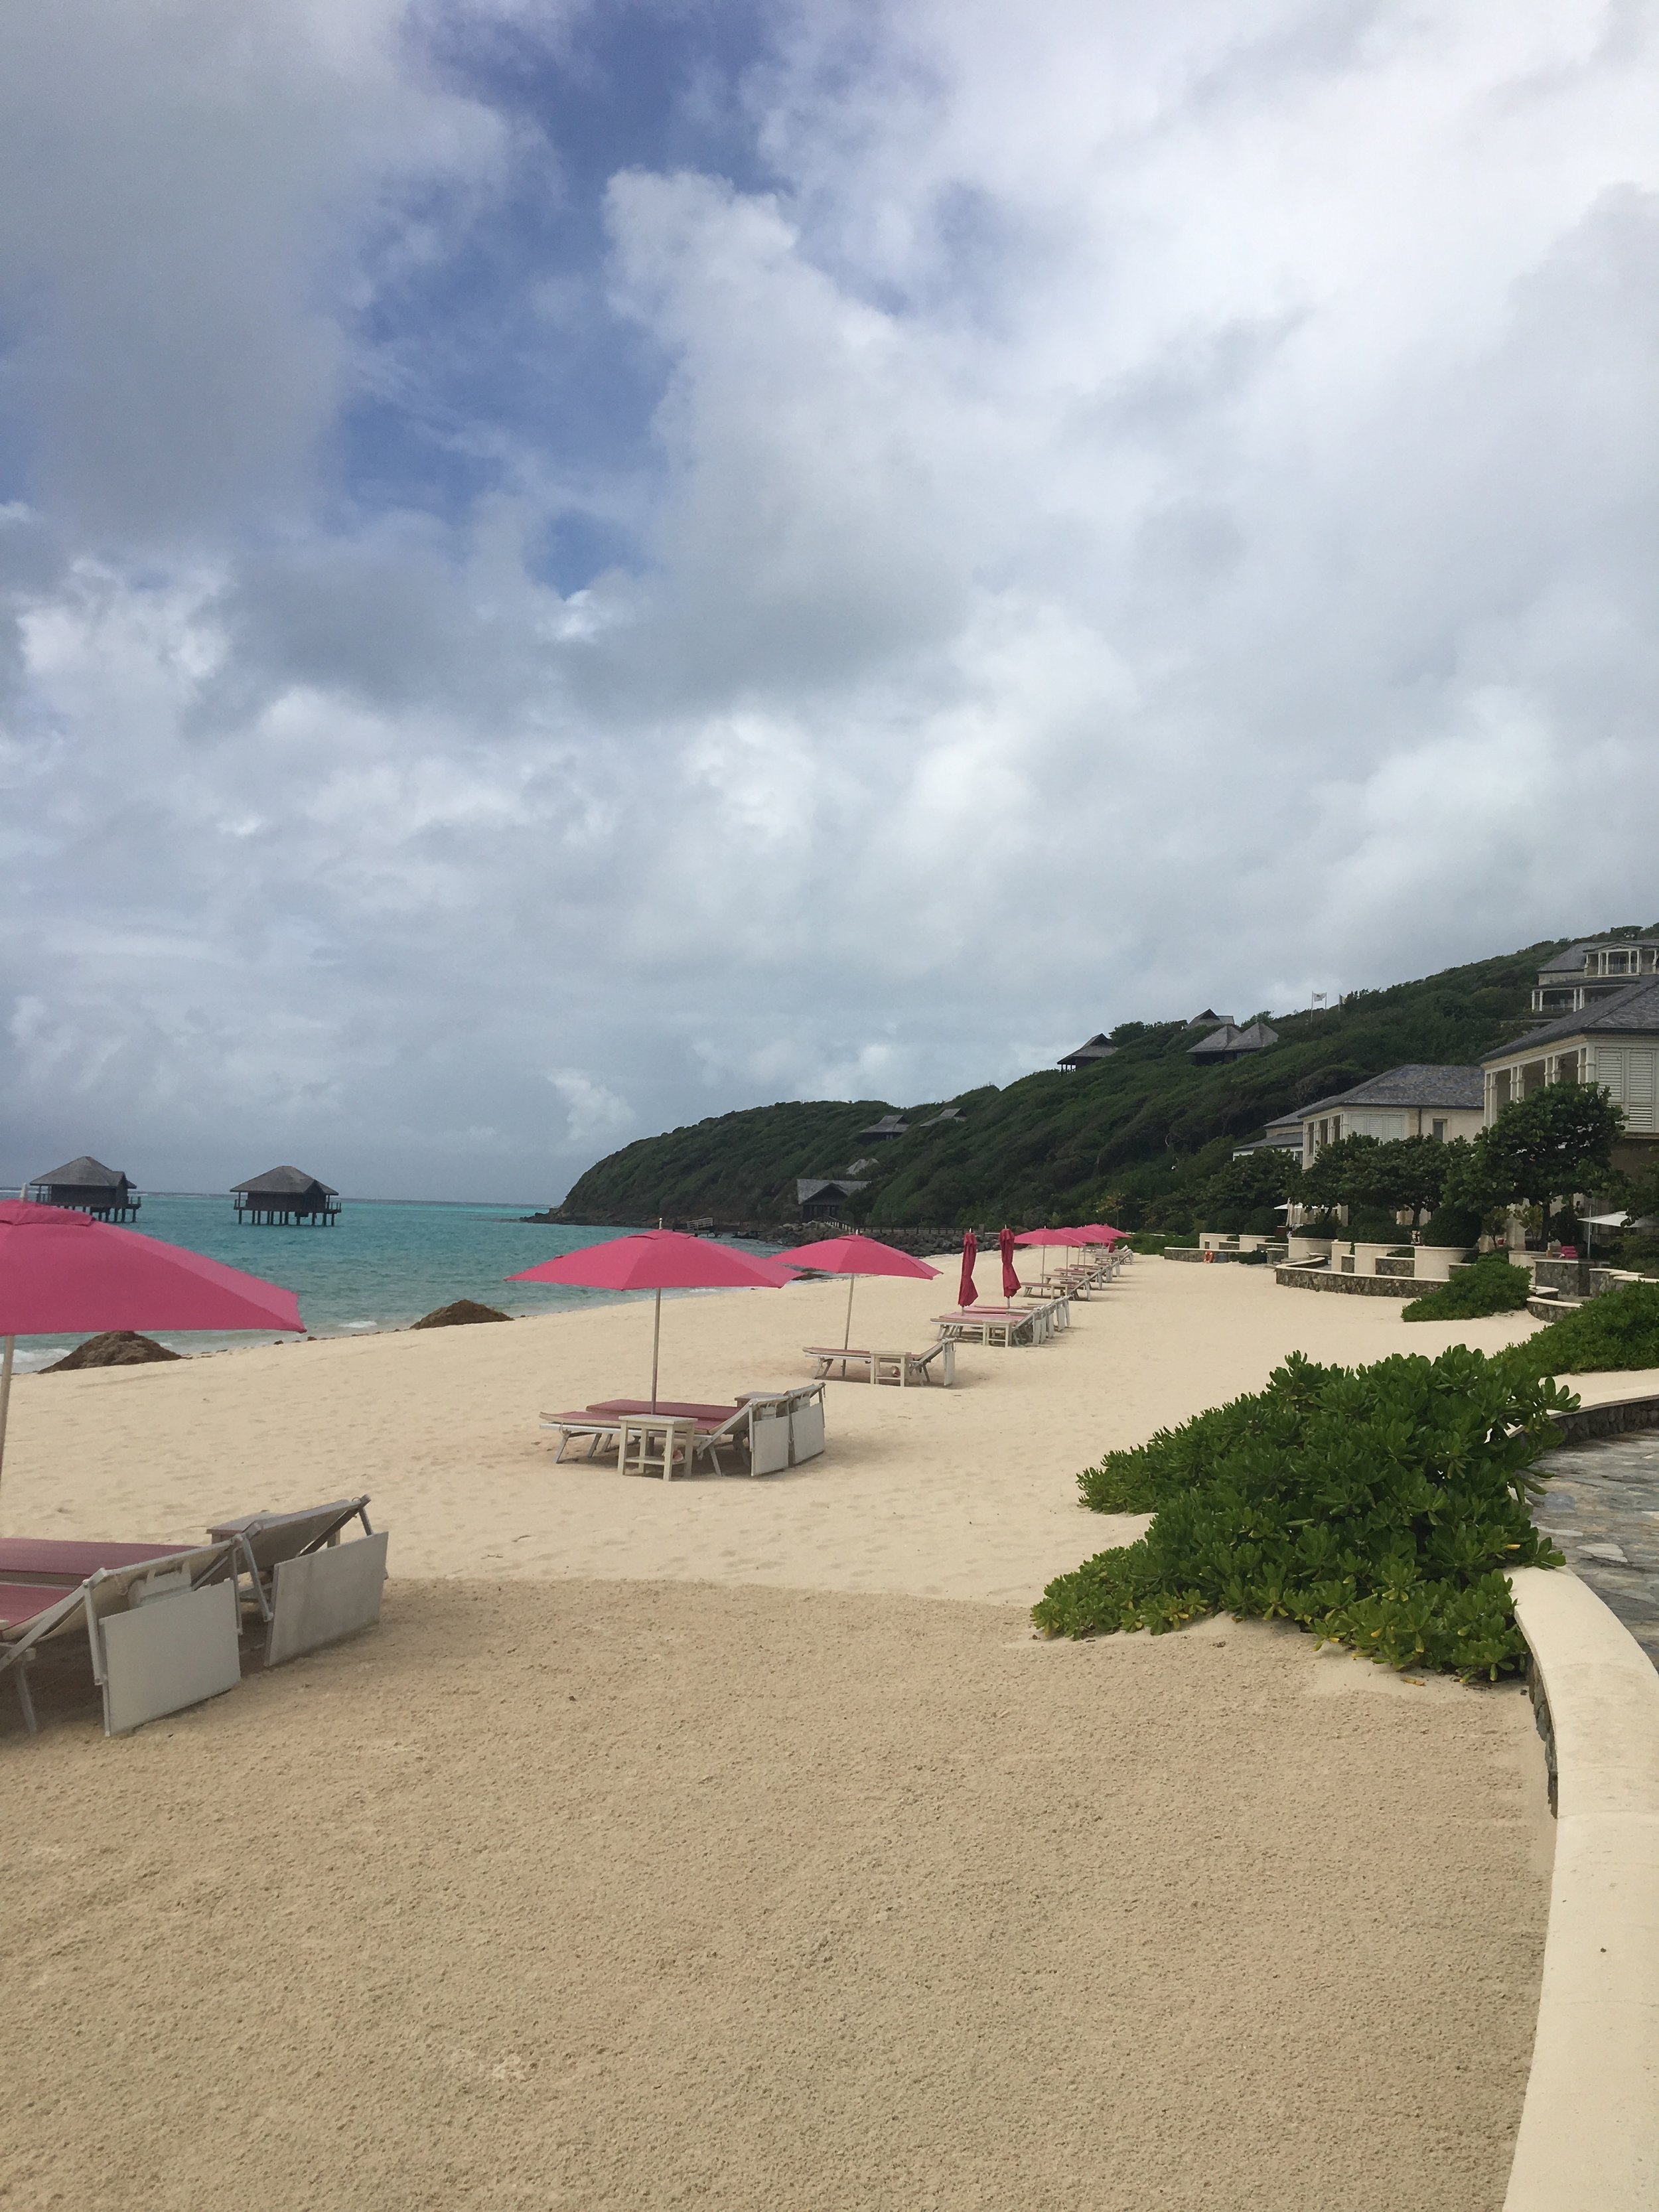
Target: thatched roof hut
{"x": 86, "y": 1186}
{"x": 284, "y": 1197}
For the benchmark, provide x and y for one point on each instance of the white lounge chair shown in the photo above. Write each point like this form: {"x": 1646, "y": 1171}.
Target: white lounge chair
{"x": 308, "y": 1587}
{"x": 901, "y": 1367}
{"x": 161, "y": 1631}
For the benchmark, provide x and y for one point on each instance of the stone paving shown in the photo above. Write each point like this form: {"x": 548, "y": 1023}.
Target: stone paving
{"x": 1601, "y": 1509}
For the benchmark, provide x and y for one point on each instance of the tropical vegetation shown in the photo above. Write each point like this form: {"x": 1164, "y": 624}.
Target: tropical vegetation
{"x": 1380, "y": 1507}
{"x": 1140, "y": 1139}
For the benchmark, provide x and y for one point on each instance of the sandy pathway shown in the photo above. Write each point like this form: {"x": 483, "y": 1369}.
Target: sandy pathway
{"x": 635, "y": 1895}
{"x": 673, "y": 1848}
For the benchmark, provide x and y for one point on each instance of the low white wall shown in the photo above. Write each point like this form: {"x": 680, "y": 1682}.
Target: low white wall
{"x": 1435, "y": 1261}
{"x": 1365, "y": 1256}
{"x": 1588, "y": 2140}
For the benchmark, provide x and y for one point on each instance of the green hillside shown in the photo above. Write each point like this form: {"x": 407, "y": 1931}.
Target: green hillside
{"x": 1137, "y": 1134}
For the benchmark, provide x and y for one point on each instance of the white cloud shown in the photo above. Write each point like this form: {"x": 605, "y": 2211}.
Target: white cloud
{"x": 1154, "y": 508}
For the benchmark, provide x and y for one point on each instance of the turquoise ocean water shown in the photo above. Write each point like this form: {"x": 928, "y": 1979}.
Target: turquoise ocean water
{"x": 382, "y": 1265}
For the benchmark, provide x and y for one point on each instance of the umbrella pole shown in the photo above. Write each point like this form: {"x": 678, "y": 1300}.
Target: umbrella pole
{"x": 656, "y": 1341}
{"x": 847, "y": 1333}
{"x": 5, "y": 1391}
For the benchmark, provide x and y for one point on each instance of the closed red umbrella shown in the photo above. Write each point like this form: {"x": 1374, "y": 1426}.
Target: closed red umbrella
{"x": 61, "y": 1271}
{"x": 1010, "y": 1272}
{"x": 853, "y": 1256}
{"x": 967, "y": 1290}
{"x": 661, "y": 1260}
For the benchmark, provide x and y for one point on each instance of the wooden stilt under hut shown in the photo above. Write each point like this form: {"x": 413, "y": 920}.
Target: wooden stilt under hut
{"x": 286, "y": 1198}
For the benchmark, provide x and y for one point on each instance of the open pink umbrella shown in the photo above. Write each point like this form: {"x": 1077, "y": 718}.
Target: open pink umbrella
{"x": 967, "y": 1290}
{"x": 61, "y": 1271}
{"x": 853, "y": 1256}
{"x": 661, "y": 1260}
{"x": 1047, "y": 1236}
{"x": 1010, "y": 1272}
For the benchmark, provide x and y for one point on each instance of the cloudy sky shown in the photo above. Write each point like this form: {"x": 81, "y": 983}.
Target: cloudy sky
{"x": 564, "y": 568}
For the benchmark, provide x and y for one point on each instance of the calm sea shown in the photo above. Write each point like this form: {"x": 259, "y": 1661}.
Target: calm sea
{"x": 382, "y": 1265}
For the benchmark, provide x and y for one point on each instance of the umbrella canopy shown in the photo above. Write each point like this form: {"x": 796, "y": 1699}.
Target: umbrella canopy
{"x": 1050, "y": 1236}
{"x": 853, "y": 1256}
{"x": 967, "y": 1290}
{"x": 1102, "y": 1232}
{"x": 661, "y": 1260}
{"x": 1010, "y": 1272}
{"x": 61, "y": 1271}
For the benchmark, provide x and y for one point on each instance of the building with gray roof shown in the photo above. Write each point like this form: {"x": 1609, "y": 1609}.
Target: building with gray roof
{"x": 286, "y": 1198}
{"x": 1594, "y": 968}
{"x": 1418, "y": 1100}
{"x": 1612, "y": 1040}
{"x": 86, "y": 1186}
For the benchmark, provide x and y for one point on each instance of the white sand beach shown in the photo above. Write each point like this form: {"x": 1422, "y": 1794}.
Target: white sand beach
{"x": 967, "y": 1493}
{"x": 735, "y": 1842}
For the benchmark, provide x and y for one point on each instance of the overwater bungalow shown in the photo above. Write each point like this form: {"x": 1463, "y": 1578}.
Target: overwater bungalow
{"x": 86, "y": 1186}
{"x": 285, "y": 1197}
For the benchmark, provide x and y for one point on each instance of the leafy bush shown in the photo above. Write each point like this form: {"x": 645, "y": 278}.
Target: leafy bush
{"x": 1619, "y": 1329}
{"x": 1372, "y": 1229}
{"x": 1491, "y": 1286}
{"x": 1377, "y": 1507}
{"x": 1452, "y": 1225}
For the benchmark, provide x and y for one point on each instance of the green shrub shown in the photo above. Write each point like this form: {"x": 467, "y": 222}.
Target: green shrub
{"x": 1619, "y": 1329}
{"x": 1378, "y": 1507}
{"x": 1491, "y": 1286}
{"x": 1452, "y": 1225}
{"x": 1372, "y": 1229}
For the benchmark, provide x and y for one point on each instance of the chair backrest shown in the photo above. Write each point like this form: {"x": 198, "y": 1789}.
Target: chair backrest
{"x": 269, "y": 1538}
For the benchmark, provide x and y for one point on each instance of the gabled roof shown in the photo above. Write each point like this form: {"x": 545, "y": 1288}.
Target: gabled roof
{"x": 85, "y": 1174}
{"x": 890, "y": 1125}
{"x": 1417, "y": 1084}
{"x": 1227, "y": 1040}
{"x": 1209, "y": 1014}
{"x": 1216, "y": 1043}
{"x": 285, "y": 1183}
{"x": 1633, "y": 1011}
{"x": 808, "y": 1187}
{"x": 944, "y": 1114}
{"x": 1096, "y": 1048}
{"x": 1570, "y": 960}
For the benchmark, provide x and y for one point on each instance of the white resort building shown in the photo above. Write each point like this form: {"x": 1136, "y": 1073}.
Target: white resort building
{"x": 1611, "y": 1039}
{"x": 1415, "y": 1100}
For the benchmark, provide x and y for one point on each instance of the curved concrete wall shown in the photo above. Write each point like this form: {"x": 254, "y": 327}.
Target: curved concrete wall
{"x": 1588, "y": 2140}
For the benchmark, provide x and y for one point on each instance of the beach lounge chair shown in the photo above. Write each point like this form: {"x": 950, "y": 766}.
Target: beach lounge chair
{"x": 600, "y": 1432}
{"x": 308, "y": 1587}
{"x": 771, "y": 1429}
{"x": 161, "y": 1630}
{"x": 901, "y": 1367}
{"x": 994, "y": 1325}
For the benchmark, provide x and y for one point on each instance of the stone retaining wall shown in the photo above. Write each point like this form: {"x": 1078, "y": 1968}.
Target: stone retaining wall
{"x": 1361, "y": 1286}
{"x": 1609, "y": 1420}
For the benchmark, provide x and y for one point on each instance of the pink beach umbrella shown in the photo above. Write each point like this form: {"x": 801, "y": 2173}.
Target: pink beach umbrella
{"x": 62, "y": 1272}
{"x": 1047, "y": 1236}
{"x": 853, "y": 1256}
{"x": 968, "y": 1289}
{"x": 661, "y": 1260}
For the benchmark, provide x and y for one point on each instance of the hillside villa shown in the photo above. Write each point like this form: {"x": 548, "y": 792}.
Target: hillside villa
{"x": 1414, "y": 1101}
{"x": 1611, "y": 1038}
{"x": 1580, "y": 973}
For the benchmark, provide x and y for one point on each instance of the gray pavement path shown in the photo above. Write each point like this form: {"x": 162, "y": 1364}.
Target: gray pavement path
{"x": 1601, "y": 1511}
